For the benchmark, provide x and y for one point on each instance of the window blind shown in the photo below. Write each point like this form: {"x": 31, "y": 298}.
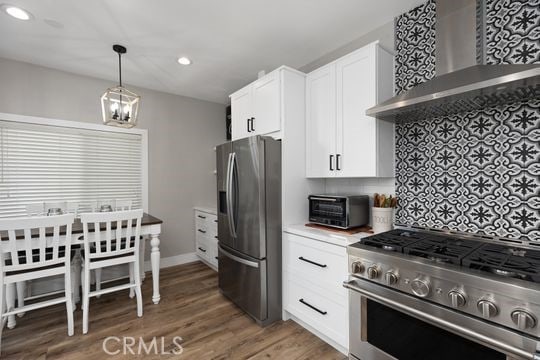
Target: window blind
{"x": 43, "y": 163}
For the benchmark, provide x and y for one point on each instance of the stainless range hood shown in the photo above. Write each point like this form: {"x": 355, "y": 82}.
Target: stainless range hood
{"x": 461, "y": 83}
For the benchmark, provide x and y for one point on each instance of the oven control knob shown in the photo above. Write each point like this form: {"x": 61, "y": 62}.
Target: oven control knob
{"x": 357, "y": 267}
{"x": 373, "y": 272}
{"x": 487, "y": 308}
{"x": 391, "y": 277}
{"x": 523, "y": 319}
{"x": 457, "y": 298}
{"x": 421, "y": 286}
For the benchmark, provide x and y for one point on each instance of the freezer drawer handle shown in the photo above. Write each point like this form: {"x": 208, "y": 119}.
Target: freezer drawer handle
{"x": 201, "y": 231}
{"x": 202, "y": 217}
{"x": 312, "y": 262}
{"x": 313, "y": 307}
{"x": 239, "y": 259}
{"x": 200, "y": 248}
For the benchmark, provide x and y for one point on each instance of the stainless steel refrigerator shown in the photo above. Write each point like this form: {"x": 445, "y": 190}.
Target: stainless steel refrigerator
{"x": 249, "y": 225}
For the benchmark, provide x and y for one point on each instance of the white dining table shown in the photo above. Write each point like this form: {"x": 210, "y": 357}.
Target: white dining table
{"x": 150, "y": 231}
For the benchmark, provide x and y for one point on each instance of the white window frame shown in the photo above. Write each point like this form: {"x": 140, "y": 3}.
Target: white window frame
{"x": 91, "y": 126}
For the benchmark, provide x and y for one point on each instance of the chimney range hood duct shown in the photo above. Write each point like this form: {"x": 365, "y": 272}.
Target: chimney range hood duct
{"x": 462, "y": 83}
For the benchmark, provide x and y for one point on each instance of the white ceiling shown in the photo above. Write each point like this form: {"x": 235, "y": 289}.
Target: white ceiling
{"x": 229, "y": 41}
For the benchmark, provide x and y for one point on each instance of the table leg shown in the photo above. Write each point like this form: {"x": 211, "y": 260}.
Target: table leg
{"x": 10, "y": 304}
{"x": 154, "y": 258}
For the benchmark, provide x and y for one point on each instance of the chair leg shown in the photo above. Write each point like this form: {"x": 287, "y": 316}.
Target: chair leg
{"x": 131, "y": 280}
{"x": 68, "y": 282}
{"x": 98, "y": 280}
{"x": 85, "y": 274}
{"x": 21, "y": 291}
{"x": 2, "y": 301}
{"x": 10, "y": 304}
{"x": 138, "y": 291}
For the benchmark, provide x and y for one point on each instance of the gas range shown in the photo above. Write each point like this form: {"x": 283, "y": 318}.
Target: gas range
{"x": 488, "y": 282}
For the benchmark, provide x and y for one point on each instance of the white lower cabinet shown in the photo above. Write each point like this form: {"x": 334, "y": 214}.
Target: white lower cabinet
{"x": 206, "y": 242}
{"x": 313, "y": 293}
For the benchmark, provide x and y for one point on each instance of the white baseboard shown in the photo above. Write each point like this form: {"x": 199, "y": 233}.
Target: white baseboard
{"x": 173, "y": 261}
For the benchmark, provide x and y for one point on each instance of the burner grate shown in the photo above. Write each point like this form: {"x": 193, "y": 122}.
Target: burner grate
{"x": 443, "y": 249}
{"x": 506, "y": 261}
{"x": 394, "y": 240}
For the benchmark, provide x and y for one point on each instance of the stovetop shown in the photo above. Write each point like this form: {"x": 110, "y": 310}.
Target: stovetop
{"x": 494, "y": 281}
{"x": 502, "y": 260}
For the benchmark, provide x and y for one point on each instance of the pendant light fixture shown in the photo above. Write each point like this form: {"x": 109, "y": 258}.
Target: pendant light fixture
{"x": 119, "y": 106}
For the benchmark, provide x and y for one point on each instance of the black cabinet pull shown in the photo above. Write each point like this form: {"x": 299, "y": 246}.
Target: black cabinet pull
{"x": 331, "y": 162}
{"x": 313, "y": 307}
{"x": 202, "y": 217}
{"x": 337, "y": 162}
{"x": 201, "y": 231}
{"x": 312, "y": 262}
{"x": 215, "y": 221}
{"x": 200, "y": 248}
{"x": 248, "y": 129}
{"x": 252, "y": 124}
{"x": 216, "y": 258}
{"x": 215, "y": 237}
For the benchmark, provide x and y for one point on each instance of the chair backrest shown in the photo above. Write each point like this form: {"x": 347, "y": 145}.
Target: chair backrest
{"x": 115, "y": 204}
{"x": 121, "y": 233}
{"x": 34, "y": 242}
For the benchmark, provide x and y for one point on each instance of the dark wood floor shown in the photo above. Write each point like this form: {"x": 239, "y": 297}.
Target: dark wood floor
{"x": 191, "y": 307}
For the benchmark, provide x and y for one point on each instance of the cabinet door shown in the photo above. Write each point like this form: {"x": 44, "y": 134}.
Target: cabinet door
{"x": 321, "y": 122}
{"x": 356, "y": 132}
{"x": 241, "y": 110}
{"x": 266, "y": 105}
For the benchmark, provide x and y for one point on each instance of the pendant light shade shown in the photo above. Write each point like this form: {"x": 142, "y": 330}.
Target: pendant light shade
{"x": 119, "y": 106}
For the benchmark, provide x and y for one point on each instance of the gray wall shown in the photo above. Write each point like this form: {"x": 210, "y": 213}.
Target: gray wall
{"x": 182, "y": 133}
{"x": 384, "y": 33}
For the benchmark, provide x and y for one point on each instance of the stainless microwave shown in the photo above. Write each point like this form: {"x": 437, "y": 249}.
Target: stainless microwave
{"x": 339, "y": 211}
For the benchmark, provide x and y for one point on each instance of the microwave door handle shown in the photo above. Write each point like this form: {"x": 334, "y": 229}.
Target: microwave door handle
{"x": 323, "y": 199}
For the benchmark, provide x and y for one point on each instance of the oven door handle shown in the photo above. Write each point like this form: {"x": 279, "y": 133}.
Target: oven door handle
{"x": 352, "y": 285}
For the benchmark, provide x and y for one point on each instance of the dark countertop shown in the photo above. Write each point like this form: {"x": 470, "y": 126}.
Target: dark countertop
{"x": 77, "y": 227}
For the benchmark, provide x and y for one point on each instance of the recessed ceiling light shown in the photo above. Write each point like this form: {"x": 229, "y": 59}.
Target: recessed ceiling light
{"x": 16, "y": 12}
{"x": 184, "y": 60}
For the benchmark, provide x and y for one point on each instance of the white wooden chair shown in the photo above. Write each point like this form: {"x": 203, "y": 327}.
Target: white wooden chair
{"x": 37, "y": 209}
{"x": 119, "y": 246}
{"x": 116, "y": 205}
{"x": 35, "y": 256}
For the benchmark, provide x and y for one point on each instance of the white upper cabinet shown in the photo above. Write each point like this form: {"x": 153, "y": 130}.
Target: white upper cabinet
{"x": 257, "y": 108}
{"x": 321, "y": 127}
{"x": 241, "y": 113}
{"x": 342, "y": 141}
{"x": 266, "y": 108}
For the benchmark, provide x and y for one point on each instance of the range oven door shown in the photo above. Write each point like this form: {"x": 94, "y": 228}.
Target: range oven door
{"x": 386, "y": 324}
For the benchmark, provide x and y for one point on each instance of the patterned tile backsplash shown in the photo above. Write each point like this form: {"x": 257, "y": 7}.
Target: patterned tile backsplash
{"x": 415, "y": 46}
{"x": 474, "y": 172}
{"x": 512, "y": 31}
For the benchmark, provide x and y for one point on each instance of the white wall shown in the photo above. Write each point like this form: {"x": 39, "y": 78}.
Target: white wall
{"x": 182, "y": 133}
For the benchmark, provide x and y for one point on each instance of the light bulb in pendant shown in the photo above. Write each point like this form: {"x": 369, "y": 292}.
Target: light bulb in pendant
{"x": 114, "y": 106}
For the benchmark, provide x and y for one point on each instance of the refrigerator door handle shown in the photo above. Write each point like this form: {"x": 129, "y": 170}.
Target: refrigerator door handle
{"x": 230, "y": 210}
{"x": 239, "y": 259}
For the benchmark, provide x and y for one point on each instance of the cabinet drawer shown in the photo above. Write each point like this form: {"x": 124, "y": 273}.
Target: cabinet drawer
{"x": 202, "y": 246}
{"x": 324, "y": 314}
{"x": 314, "y": 259}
